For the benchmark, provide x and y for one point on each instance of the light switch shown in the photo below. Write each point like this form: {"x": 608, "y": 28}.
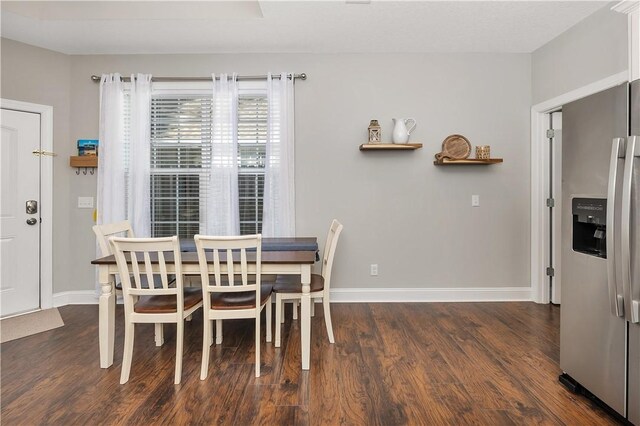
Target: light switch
{"x": 475, "y": 201}
{"x": 85, "y": 202}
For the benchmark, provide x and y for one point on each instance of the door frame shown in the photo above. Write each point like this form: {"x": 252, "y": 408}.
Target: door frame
{"x": 46, "y": 194}
{"x": 555, "y": 212}
{"x": 539, "y": 177}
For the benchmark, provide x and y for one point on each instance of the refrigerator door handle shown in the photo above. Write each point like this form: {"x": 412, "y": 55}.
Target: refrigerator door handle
{"x": 625, "y": 228}
{"x": 616, "y": 300}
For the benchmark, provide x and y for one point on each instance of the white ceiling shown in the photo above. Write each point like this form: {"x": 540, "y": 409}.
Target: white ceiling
{"x": 106, "y": 27}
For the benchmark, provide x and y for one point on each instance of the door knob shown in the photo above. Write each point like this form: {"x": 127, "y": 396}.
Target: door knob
{"x": 32, "y": 221}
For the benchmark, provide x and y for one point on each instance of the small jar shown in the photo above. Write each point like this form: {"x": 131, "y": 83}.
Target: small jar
{"x": 483, "y": 152}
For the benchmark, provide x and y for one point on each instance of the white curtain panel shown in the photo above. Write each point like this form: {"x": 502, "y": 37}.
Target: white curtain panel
{"x": 111, "y": 205}
{"x": 278, "y": 217}
{"x": 139, "y": 203}
{"x": 222, "y": 214}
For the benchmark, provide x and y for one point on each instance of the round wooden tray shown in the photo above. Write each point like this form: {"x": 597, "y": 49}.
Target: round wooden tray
{"x": 455, "y": 147}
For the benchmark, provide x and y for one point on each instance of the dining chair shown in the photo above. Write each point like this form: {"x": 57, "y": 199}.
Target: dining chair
{"x": 232, "y": 294}
{"x": 121, "y": 229}
{"x": 158, "y": 302}
{"x": 289, "y": 287}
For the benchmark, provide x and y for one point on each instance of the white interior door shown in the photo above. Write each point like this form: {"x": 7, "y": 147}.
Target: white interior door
{"x": 19, "y": 228}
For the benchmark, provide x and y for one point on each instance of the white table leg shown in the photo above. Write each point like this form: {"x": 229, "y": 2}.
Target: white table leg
{"x": 305, "y": 314}
{"x": 107, "y": 317}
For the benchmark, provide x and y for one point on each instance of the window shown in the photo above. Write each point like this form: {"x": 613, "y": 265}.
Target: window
{"x": 180, "y": 151}
{"x": 180, "y": 141}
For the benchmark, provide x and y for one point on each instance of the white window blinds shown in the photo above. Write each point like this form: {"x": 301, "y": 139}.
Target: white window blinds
{"x": 180, "y": 147}
{"x": 181, "y": 127}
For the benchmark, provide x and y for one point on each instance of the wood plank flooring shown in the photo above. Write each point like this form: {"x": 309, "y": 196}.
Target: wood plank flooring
{"x": 392, "y": 364}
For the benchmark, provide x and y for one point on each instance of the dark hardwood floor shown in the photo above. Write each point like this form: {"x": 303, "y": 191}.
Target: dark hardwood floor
{"x": 426, "y": 364}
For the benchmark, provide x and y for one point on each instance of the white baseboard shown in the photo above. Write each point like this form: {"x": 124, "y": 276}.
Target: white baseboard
{"x": 486, "y": 294}
{"x": 80, "y": 297}
{"x": 367, "y": 295}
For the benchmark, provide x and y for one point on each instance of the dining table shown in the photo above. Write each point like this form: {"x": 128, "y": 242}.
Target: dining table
{"x": 279, "y": 256}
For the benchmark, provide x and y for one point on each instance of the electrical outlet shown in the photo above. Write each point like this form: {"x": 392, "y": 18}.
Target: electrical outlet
{"x": 374, "y": 269}
{"x": 85, "y": 202}
{"x": 475, "y": 201}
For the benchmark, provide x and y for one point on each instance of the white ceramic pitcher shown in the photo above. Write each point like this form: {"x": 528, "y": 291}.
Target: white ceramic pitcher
{"x": 400, "y": 131}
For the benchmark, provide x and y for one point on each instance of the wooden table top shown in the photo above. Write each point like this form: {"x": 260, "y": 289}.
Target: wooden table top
{"x": 268, "y": 256}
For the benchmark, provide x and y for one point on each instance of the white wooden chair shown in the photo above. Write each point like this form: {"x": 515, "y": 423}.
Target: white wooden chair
{"x": 157, "y": 302}
{"x": 120, "y": 229}
{"x": 236, "y": 294}
{"x": 289, "y": 287}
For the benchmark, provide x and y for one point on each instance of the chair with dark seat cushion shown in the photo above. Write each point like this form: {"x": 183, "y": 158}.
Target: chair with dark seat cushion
{"x": 289, "y": 287}
{"x": 231, "y": 293}
{"x": 122, "y": 229}
{"x": 159, "y": 302}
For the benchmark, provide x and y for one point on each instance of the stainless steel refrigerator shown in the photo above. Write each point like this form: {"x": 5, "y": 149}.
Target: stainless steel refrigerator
{"x": 600, "y": 311}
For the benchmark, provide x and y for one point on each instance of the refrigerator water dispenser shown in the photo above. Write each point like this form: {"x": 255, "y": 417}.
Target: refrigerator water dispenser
{"x": 590, "y": 226}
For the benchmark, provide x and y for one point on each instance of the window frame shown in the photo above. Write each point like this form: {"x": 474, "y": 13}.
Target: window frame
{"x": 178, "y": 89}
{"x": 200, "y": 88}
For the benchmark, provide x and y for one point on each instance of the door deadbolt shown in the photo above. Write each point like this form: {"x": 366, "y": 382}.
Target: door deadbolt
{"x": 32, "y": 221}
{"x": 32, "y": 207}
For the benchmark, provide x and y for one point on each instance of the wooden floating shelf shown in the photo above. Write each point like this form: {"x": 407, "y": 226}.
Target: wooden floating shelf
{"x": 88, "y": 163}
{"x": 446, "y": 162}
{"x": 390, "y": 146}
{"x": 83, "y": 161}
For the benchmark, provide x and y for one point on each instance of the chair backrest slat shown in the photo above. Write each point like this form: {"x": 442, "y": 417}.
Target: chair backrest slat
{"x": 329, "y": 252}
{"x": 231, "y": 273}
{"x": 243, "y": 266}
{"x": 149, "y": 270}
{"x": 164, "y": 277}
{"x": 135, "y": 267}
{"x": 216, "y": 269}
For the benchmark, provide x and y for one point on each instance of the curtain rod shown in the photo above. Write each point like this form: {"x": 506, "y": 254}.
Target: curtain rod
{"x": 303, "y": 76}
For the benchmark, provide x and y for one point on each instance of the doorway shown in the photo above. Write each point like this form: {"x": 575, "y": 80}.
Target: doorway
{"x": 25, "y": 211}
{"x": 542, "y": 225}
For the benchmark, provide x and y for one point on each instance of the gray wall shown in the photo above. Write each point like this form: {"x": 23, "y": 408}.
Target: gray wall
{"x": 593, "y": 49}
{"x": 40, "y": 76}
{"x": 414, "y": 219}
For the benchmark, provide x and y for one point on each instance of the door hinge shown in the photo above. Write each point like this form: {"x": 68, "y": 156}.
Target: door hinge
{"x": 551, "y": 133}
{"x": 551, "y": 271}
{"x": 551, "y": 202}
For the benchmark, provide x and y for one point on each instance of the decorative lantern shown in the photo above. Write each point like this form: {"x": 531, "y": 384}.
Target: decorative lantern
{"x": 375, "y": 132}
